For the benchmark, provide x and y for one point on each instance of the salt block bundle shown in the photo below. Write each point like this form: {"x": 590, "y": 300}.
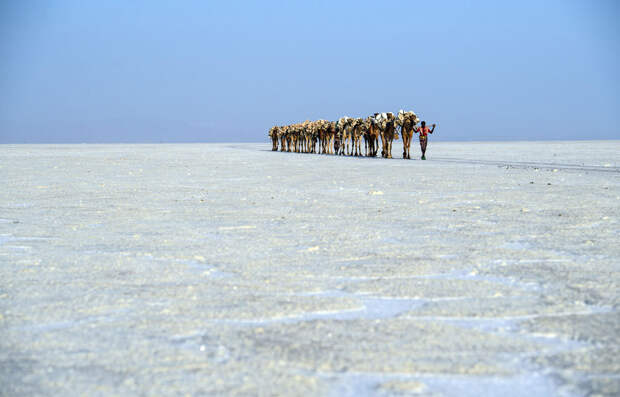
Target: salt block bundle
{"x": 406, "y": 116}
{"x": 343, "y": 122}
{"x": 382, "y": 119}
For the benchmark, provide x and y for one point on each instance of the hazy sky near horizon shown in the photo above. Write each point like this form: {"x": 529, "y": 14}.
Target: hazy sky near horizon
{"x": 207, "y": 71}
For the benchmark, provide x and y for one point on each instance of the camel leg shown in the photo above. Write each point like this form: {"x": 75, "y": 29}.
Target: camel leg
{"x": 383, "y": 146}
{"x": 409, "y": 146}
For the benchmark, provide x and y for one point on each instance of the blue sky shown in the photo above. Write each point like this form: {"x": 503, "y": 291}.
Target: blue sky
{"x": 203, "y": 71}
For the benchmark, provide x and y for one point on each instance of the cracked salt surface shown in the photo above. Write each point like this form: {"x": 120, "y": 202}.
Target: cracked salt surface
{"x": 232, "y": 270}
{"x": 372, "y": 308}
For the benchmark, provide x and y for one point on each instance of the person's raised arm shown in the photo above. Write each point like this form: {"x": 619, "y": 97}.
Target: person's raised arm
{"x": 432, "y": 129}
{"x": 416, "y": 129}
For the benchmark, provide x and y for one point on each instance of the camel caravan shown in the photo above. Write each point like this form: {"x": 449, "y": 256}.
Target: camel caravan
{"x": 344, "y": 137}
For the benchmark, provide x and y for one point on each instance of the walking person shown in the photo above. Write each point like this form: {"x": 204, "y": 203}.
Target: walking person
{"x": 424, "y": 131}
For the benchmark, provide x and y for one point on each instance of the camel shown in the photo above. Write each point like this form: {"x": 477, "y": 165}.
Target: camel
{"x": 324, "y": 132}
{"x": 406, "y": 121}
{"x": 283, "y": 132}
{"x": 358, "y": 133}
{"x": 310, "y": 133}
{"x": 313, "y": 136}
{"x": 337, "y": 142}
{"x": 273, "y": 134}
{"x": 300, "y": 139}
{"x": 319, "y": 130}
{"x": 344, "y": 130}
{"x": 366, "y": 137}
{"x": 294, "y": 138}
{"x": 331, "y": 136}
{"x": 373, "y": 136}
{"x": 387, "y": 132}
{"x": 364, "y": 133}
{"x": 289, "y": 138}
{"x": 306, "y": 137}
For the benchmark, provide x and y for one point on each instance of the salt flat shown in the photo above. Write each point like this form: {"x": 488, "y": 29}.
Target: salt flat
{"x": 491, "y": 268}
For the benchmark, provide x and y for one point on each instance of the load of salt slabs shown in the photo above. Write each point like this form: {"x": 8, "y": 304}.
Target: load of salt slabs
{"x": 404, "y": 116}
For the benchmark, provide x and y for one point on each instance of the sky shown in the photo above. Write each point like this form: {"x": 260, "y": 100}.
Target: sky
{"x": 226, "y": 71}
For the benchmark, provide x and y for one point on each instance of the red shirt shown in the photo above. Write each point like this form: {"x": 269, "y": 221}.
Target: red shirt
{"x": 424, "y": 131}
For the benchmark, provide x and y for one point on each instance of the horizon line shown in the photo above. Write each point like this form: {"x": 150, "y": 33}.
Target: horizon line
{"x": 494, "y": 140}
